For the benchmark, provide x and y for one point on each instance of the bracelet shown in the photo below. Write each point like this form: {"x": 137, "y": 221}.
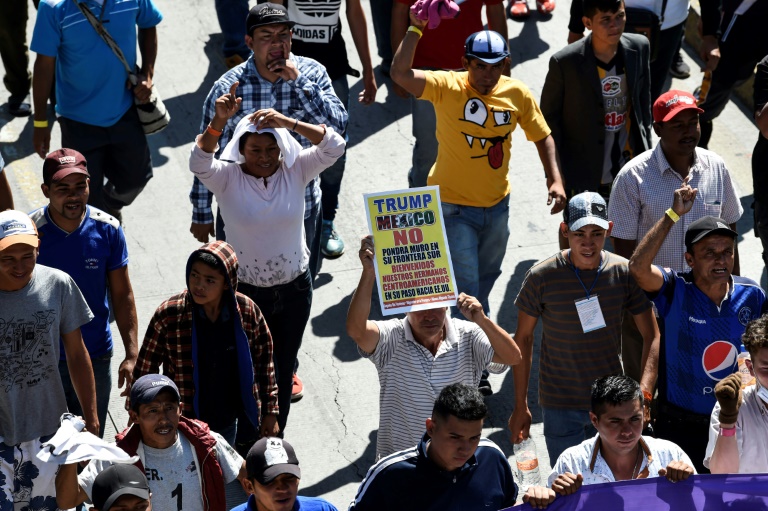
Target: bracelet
{"x": 728, "y": 431}
{"x": 294, "y": 125}
{"x": 672, "y": 215}
{"x": 647, "y": 397}
{"x": 40, "y": 124}
{"x": 213, "y": 131}
{"x": 416, "y": 30}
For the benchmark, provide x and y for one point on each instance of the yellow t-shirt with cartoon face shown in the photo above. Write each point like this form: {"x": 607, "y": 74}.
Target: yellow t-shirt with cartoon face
{"x": 474, "y": 133}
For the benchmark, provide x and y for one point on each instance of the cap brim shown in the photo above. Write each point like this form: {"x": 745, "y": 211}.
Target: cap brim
{"x": 28, "y": 239}
{"x": 136, "y": 492}
{"x": 289, "y": 23}
{"x": 275, "y": 470}
{"x": 673, "y": 113}
{"x": 588, "y": 220}
{"x": 61, "y": 174}
{"x": 487, "y": 60}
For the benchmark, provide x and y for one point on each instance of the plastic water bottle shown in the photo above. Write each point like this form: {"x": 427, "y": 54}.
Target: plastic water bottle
{"x": 746, "y": 378}
{"x": 527, "y": 463}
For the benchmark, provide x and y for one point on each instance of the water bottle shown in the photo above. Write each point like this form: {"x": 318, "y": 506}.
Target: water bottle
{"x": 527, "y": 463}
{"x": 746, "y": 378}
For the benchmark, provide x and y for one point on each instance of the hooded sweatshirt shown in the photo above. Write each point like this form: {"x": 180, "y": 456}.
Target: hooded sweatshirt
{"x": 171, "y": 341}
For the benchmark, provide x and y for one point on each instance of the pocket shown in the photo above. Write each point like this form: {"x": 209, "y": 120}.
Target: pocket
{"x": 450, "y": 209}
{"x": 303, "y": 283}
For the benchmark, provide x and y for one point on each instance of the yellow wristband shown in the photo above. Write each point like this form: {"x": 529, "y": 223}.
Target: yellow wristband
{"x": 40, "y": 124}
{"x": 415, "y": 29}
{"x": 672, "y": 215}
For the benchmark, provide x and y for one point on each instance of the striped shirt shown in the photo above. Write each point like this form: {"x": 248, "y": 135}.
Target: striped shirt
{"x": 643, "y": 190}
{"x": 411, "y": 378}
{"x": 571, "y": 359}
{"x": 309, "y": 98}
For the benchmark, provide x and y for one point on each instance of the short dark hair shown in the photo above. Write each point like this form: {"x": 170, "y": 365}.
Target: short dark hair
{"x": 756, "y": 335}
{"x": 208, "y": 259}
{"x": 462, "y": 401}
{"x": 592, "y": 6}
{"x": 614, "y": 391}
{"x": 244, "y": 139}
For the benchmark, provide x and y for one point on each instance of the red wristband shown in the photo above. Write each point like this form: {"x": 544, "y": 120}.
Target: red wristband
{"x": 728, "y": 431}
{"x": 213, "y": 131}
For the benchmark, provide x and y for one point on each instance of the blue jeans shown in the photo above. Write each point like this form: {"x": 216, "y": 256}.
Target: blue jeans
{"x": 330, "y": 178}
{"x": 477, "y": 238}
{"x": 564, "y": 429}
{"x": 286, "y": 310}
{"x": 229, "y": 433}
{"x": 313, "y": 226}
{"x": 425, "y": 147}
{"x": 102, "y": 375}
{"x": 381, "y": 12}
{"x": 232, "y": 14}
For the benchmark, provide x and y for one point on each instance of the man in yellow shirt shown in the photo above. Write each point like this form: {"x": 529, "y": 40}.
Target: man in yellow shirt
{"x": 477, "y": 110}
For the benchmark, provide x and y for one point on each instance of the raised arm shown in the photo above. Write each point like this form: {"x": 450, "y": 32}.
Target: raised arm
{"x": 641, "y": 266}
{"x": 363, "y": 331}
{"x": 402, "y": 72}
{"x": 505, "y": 351}
{"x": 69, "y": 494}
{"x": 124, "y": 308}
{"x": 520, "y": 421}
{"x": 271, "y": 118}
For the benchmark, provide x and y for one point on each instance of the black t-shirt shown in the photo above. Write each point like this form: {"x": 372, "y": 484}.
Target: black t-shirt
{"x": 317, "y": 35}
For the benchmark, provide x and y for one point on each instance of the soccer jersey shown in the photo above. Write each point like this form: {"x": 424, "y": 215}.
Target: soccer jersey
{"x": 475, "y": 135}
{"x": 701, "y": 339}
{"x": 616, "y": 103}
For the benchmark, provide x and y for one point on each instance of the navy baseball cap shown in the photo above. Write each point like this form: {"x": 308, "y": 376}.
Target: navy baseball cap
{"x": 486, "y": 45}
{"x": 266, "y": 14}
{"x": 588, "y": 208}
{"x": 118, "y": 480}
{"x": 705, "y": 226}
{"x": 145, "y": 389}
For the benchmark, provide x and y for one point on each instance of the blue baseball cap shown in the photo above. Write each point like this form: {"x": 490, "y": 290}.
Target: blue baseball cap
{"x": 145, "y": 389}
{"x": 486, "y": 45}
{"x": 588, "y": 208}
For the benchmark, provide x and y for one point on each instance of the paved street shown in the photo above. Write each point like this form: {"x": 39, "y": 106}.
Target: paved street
{"x": 334, "y": 427}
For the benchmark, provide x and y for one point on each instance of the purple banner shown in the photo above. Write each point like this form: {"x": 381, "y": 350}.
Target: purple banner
{"x": 736, "y": 492}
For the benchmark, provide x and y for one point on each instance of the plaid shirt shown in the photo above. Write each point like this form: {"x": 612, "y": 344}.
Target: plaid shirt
{"x": 642, "y": 192}
{"x": 309, "y": 98}
{"x": 168, "y": 342}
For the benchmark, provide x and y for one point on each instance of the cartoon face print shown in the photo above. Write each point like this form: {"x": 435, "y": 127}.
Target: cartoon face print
{"x": 477, "y": 113}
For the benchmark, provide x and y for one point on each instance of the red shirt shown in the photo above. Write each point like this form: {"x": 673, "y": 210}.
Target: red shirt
{"x": 443, "y": 47}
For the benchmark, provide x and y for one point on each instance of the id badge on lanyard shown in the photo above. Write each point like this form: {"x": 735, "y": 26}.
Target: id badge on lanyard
{"x": 588, "y": 309}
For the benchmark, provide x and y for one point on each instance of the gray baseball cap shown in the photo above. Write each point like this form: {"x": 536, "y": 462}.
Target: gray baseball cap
{"x": 588, "y": 208}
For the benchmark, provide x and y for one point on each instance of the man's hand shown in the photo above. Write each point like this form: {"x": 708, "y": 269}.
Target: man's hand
{"x": 470, "y": 307}
{"x": 676, "y": 471}
{"x": 684, "y": 198}
{"x": 416, "y": 22}
{"x": 567, "y": 483}
{"x": 519, "y": 424}
{"x": 92, "y": 426}
{"x": 202, "y": 231}
{"x": 728, "y": 394}
{"x": 709, "y": 51}
{"x": 143, "y": 88}
{"x": 574, "y": 36}
{"x": 125, "y": 375}
{"x": 227, "y": 105}
{"x": 269, "y": 426}
{"x": 368, "y": 95}
{"x": 284, "y": 68}
{"x": 366, "y": 253}
{"x": 41, "y": 140}
{"x": 556, "y": 197}
{"x": 539, "y": 497}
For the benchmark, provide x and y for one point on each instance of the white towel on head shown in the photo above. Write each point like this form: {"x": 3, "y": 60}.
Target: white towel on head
{"x": 288, "y": 145}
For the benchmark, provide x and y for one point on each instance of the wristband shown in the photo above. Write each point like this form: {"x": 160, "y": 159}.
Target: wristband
{"x": 294, "y": 125}
{"x": 672, "y": 215}
{"x": 40, "y": 124}
{"x": 213, "y": 131}
{"x": 647, "y": 397}
{"x": 728, "y": 431}
{"x": 416, "y": 30}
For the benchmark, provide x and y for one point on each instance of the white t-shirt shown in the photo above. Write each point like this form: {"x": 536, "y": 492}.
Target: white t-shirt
{"x": 752, "y": 422}
{"x": 173, "y": 473}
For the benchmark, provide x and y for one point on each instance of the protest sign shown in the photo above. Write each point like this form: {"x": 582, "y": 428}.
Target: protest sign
{"x": 412, "y": 260}
{"x": 735, "y": 492}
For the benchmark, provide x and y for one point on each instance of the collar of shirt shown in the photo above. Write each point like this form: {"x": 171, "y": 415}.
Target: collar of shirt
{"x": 449, "y": 342}
{"x": 224, "y": 315}
{"x": 599, "y": 467}
{"x": 662, "y": 164}
{"x": 423, "y": 448}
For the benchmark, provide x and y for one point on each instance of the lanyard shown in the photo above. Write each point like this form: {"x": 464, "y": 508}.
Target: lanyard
{"x": 576, "y": 270}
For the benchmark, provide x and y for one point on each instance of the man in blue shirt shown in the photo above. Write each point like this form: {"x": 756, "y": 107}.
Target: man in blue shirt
{"x": 273, "y": 480}
{"x": 89, "y": 245}
{"x": 451, "y": 468}
{"x": 705, "y": 312}
{"x": 96, "y": 110}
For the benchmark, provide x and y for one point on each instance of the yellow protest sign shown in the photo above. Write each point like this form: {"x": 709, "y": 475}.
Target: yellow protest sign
{"x": 412, "y": 260}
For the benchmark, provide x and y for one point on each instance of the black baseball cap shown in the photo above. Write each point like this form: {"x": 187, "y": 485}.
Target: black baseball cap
{"x": 266, "y": 14}
{"x": 118, "y": 480}
{"x": 269, "y": 457}
{"x": 705, "y": 226}
{"x": 145, "y": 389}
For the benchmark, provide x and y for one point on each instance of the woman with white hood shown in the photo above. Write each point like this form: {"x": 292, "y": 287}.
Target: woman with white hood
{"x": 260, "y": 191}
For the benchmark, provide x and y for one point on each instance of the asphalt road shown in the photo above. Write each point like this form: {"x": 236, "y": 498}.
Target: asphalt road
{"x": 334, "y": 427}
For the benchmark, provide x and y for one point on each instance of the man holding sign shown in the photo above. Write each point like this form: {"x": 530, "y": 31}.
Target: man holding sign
{"x": 419, "y": 355}
{"x": 580, "y": 294}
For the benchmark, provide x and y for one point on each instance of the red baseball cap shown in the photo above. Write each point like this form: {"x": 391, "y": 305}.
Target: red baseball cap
{"x": 63, "y": 162}
{"x": 671, "y": 103}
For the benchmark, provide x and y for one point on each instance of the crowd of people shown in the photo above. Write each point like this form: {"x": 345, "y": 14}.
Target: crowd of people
{"x": 643, "y": 311}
